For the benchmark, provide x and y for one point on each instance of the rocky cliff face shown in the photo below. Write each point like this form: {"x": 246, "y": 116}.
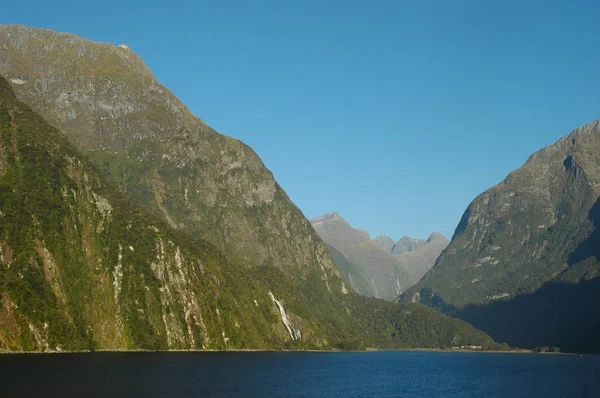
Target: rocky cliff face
{"x": 83, "y": 269}
{"x": 525, "y": 245}
{"x": 160, "y": 156}
{"x": 387, "y": 274}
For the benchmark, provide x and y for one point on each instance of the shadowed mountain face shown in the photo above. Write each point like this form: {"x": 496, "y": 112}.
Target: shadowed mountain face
{"x": 526, "y": 251}
{"x": 558, "y": 314}
{"x": 387, "y": 274}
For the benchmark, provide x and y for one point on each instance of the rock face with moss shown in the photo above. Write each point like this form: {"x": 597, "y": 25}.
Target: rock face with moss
{"x": 387, "y": 268}
{"x": 82, "y": 269}
{"x": 523, "y": 263}
{"x": 146, "y": 142}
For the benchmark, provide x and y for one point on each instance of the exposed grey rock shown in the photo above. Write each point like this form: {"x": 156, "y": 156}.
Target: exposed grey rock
{"x": 406, "y": 244}
{"x": 380, "y": 269}
{"x": 384, "y": 241}
{"x": 386, "y": 273}
{"x": 421, "y": 259}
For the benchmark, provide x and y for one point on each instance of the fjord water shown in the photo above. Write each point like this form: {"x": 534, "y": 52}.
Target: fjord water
{"x": 300, "y": 374}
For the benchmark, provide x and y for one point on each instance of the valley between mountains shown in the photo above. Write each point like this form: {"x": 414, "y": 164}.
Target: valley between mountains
{"x": 127, "y": 223}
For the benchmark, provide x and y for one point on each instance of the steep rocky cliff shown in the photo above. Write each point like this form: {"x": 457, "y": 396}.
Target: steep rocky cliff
{"x": 160, "y": 156}
{"x": 524, "y": 260}
{"x": 82, "y": 269}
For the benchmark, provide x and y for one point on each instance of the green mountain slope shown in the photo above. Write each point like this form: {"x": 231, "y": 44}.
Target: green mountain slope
{"x": 160, "y": 156}
{"x": 81, "y": 269}
{"x": 524, "y": 260}
{"x": 157, "y": 154}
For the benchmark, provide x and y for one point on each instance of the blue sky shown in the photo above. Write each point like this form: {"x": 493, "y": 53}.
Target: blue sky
{"x": 394, "y": 113}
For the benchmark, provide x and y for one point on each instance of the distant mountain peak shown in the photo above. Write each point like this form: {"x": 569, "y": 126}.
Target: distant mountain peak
{"x": 405, "y": 238}
{"x": 389, "y": 267}
{"x": 435, "y": 236}
{"x": 407, "y": 244}
{"x": 325, "y": 217}
{"x": 385, "y": 241}
{"x": 333, "y": 225}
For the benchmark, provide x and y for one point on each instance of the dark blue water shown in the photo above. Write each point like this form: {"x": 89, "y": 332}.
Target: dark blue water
{"x": 287, "y": 374}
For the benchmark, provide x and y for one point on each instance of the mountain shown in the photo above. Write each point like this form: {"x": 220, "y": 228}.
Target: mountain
{"x": 406, "y": 244}
{"x": 385, "y": 241}
{"x": 161, "y": 157}
{"x": 420, "y": 258}
{"x": 386, "y": 273}
{"x": 138, "y": 226}
{"x": 82, "y": 269}
{"x": 349, "y": 272}
{"x": 523, "y": 263}
{"x": 385, "y": 276}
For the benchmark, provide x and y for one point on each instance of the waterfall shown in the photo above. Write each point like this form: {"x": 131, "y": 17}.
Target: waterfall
{"x": 292, "y": 330}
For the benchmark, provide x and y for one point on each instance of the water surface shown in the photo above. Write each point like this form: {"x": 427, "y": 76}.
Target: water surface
{"x": 300, "y": 374}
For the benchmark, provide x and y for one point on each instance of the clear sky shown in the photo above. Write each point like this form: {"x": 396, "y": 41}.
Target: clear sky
{"x": 394, "y": 113}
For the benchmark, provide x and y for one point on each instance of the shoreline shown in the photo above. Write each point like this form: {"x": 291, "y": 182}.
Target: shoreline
{"x": 441, "y": 350}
